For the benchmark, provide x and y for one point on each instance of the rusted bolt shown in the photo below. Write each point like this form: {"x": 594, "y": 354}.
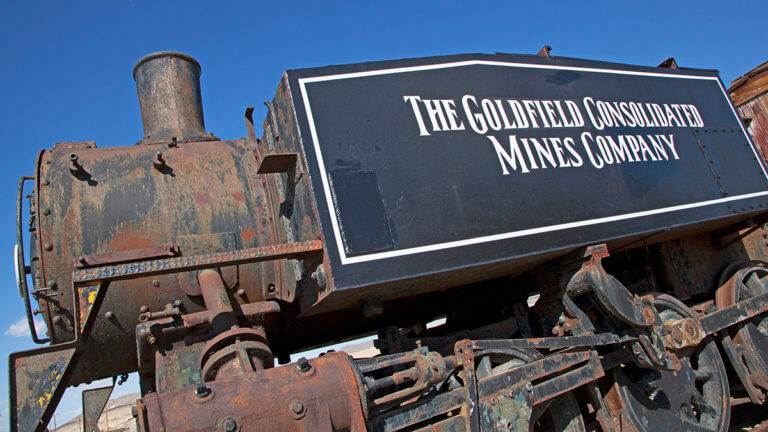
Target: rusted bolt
{"x": 303, "y": 365}
{"x": 143, "y": 309}
{"x": 271, "y": 288}
{"x": 46, "y": 211}
{"x": 155, "y": 283}
{"x": 177, "y": 303}
{"x": 49, "y": 247}
{"x": 240, "y": 292}
{"x": 151, "y": 340}
{"x": 45, "y": 182}
{"x": 81, "y": 260}
{"x": 296, "y": 407}
{"x": 228, "y": 424}
{"x": 677, "y": 336}
{"x": 528, "y": 387}
{"x": 109, "y": 315}
{"x": 201, "y": 390}
{"x": 51, "y": 285}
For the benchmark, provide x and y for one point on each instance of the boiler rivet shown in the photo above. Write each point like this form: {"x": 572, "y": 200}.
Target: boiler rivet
{"x": 143, "y": 309}
{"x": 155, "y": 283}
{"x": 46, "y": 182}
{"x": 296, "y": 407}
{"x": 109, "y": 315}
{"x": 229, "y": 424}
{"x": 46, "y": 211}
{"x": 48, "y": 247}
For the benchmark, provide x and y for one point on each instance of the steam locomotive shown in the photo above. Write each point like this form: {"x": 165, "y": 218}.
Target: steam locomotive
{"x": 591, "y": 237}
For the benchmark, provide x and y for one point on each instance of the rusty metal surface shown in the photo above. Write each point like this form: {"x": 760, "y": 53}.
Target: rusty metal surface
{"x": 175, "y": 265}
{"x": 118, "y": 257}
{"x": 750, "y": 94}
{"x": 168, "y": 85}
{"x": 745, "y": 345}
{"x": 94, "y": 401}
{"x": 127, "y": 204}
{"x": 324, "y": 398}
{"x": 34, "y": 385}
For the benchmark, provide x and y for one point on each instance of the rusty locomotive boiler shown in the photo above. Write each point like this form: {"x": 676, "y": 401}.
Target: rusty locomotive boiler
{"x": 592, "y": 234}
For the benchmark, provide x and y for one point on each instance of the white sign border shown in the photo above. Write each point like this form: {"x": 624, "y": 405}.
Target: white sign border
{"x": 495, "y": 237}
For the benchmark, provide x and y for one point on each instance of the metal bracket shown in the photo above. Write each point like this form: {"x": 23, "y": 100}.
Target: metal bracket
{"x": 465, "y": 354}
{"x": 277, "y": 163}
{"x": 37, "y": 380}
{"x": 94, "y": 401}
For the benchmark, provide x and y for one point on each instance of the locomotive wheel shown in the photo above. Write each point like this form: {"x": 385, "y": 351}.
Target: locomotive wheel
{"x": 560, "y": 414}
{"x": 753, "y": 334}
{"x": 697, "y": 397}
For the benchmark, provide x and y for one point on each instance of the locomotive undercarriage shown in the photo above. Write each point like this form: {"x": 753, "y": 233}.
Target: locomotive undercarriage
{"x": 600, "y": 357}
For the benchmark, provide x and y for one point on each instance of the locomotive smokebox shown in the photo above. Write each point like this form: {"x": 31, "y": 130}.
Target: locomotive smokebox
{"x": 168, "y": 84}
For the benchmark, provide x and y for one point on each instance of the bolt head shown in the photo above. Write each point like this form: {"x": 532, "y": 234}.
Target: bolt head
{"x": 201, "y": 390}
{"x": 49, "y": 247}
{"x": 303, "y": 365}
{"x": 229, "y": 424}
{"x": 296, "y": 406}
{"x": 155, "y": 283}
{"x": 109, "y": 315}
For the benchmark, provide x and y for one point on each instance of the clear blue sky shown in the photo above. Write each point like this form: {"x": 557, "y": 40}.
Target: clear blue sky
{"x": 66, "y": 69}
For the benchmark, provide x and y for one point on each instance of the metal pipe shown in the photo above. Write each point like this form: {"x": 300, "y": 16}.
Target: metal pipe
{"x": 216, "y": 300}
{"x": 168, "y": 85}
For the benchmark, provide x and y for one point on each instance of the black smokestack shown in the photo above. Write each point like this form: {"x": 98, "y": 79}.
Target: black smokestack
{"x": 168, "y": 84}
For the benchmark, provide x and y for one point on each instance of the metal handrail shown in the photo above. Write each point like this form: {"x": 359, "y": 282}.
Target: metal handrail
{"x": 21, "y": 267}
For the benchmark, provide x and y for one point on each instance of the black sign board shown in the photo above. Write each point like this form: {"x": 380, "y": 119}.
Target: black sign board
{"x": 427, "y": 165}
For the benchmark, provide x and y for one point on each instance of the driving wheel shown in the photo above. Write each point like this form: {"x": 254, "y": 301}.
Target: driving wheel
{"x": 696, "y": 397}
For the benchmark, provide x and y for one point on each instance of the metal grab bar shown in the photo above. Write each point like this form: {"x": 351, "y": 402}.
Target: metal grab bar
{"x": 21, "y": 267}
